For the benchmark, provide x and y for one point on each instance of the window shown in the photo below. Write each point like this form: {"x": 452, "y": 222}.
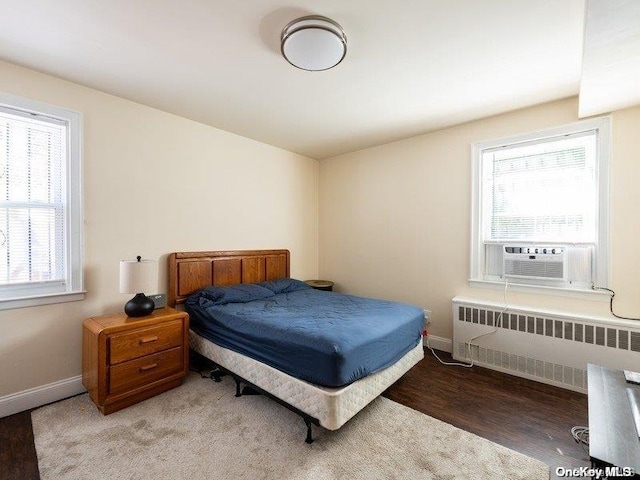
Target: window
{"x": 40, "y": 204}
{"x": 540, "y": 208}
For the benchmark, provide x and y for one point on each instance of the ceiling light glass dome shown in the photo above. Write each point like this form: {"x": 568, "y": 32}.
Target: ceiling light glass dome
{"x": 313, "y": 43}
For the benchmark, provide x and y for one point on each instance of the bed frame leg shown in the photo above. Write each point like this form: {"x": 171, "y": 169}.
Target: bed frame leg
{"x": 251, "y": 389}
{"x": 309, "y": 438}
{"x": 217, "y": 375}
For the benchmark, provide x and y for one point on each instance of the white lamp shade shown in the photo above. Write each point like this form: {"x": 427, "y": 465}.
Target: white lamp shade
{"x": 138, "y": 276}
{"x": 313, "y": 43}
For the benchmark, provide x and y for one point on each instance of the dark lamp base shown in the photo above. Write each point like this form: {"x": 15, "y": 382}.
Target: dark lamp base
{"x": 139, "y": 306}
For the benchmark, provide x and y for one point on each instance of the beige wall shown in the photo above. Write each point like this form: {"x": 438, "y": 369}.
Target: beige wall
{"x": 395, "y": 219}
{"x": 234, "y": 193}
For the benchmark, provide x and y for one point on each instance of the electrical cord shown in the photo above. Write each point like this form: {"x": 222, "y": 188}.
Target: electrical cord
{"x": 613, "y": 294}
{"x": 581, "y": 436}
{"x": 497, "y": 323}
{"x": 467, "y": 347}
{"x": 450, "y": 364}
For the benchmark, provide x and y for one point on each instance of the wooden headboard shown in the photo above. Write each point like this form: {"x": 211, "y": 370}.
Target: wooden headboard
{"x": 190, "y": 271}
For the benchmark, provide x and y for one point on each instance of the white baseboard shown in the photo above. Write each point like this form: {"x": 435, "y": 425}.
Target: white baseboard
{"x": 439, "y": 343}
{"x": 37, "y": 396}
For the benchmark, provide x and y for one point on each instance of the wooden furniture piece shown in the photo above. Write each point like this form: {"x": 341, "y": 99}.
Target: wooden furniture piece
{"x": 325, "y": 285}
{"x": 190, "y": 271}
{"x": 126, "y": 360}
{"x": 613, "y": 439}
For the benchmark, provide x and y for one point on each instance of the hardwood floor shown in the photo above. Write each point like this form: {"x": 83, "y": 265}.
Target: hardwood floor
{"x": 526, "y": 416}
{"x": 17, "y": 452}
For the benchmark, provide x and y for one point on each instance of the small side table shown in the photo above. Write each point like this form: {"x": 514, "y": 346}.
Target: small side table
{"x": 325, "y": 285}
{"x": 126, "y": 360}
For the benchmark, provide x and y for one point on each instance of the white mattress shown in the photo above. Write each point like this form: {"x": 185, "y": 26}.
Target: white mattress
{"x": 333, "y": 407}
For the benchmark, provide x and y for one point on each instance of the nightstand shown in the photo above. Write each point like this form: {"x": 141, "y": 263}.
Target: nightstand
{"x": 325, "y": 285}
{"x": 126, "y": 360}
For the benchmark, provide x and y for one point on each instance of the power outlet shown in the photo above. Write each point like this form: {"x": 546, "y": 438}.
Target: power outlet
{"x": 427, "y": 316}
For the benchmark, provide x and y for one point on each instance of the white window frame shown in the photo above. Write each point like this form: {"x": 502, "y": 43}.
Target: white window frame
{"x": 72, "y": 288}
{"x": 477, "y": 277}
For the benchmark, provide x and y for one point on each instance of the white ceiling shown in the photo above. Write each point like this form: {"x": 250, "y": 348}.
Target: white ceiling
{"x": 611, "y": 62}
{"x": 412, "y": 66}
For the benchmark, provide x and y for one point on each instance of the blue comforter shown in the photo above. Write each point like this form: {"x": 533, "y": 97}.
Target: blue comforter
{"x": 325, "y": 338}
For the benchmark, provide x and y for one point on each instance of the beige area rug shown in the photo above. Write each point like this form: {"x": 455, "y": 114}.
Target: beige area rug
{"x": 201, "y": 431}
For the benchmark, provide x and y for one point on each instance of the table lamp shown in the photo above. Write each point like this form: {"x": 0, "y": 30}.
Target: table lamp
{"x": 138, "y": 276}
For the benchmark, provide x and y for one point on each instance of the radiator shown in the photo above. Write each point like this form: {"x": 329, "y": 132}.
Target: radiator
{"x": 550, "y": 347}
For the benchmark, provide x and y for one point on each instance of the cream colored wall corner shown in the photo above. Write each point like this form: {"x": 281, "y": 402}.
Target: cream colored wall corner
{"x": 234, "y": 193}
{"x": 395, "y": 219}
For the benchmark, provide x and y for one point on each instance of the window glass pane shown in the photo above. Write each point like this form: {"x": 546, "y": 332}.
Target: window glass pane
{"x": 32, "y": 199}
{"x": 541, "y": 192}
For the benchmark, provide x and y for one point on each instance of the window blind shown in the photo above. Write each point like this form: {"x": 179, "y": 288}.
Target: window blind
{"x": 542, "y": 191}
{"x": 32, "y": 198}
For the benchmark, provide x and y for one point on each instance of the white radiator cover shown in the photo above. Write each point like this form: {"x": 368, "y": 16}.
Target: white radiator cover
{"x": 547, "y": 346}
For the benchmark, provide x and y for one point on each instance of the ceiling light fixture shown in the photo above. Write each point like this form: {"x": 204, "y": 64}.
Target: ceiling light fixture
{"x": 313, "y": 43}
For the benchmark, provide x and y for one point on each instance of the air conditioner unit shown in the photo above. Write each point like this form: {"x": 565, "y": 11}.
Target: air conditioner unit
{"x": 536, "y": 262}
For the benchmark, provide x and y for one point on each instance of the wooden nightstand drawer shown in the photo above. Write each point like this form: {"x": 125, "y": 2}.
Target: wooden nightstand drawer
{"x": 135, "y": 344}
{"x": 142, "y": 371}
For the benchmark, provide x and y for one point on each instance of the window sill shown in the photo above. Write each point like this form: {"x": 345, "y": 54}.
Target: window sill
{"x": 10, "y": 304}
{"x": 593, "y": 295}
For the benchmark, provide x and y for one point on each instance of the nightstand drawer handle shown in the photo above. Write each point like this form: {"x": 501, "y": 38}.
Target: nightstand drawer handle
{"x": 148, "y": 339}
{"x": 148, "y": 367}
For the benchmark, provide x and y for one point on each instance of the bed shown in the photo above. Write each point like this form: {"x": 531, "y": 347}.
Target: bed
{"x": 329, "y": 398}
